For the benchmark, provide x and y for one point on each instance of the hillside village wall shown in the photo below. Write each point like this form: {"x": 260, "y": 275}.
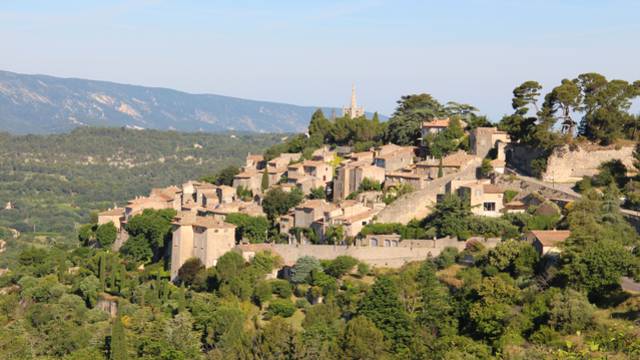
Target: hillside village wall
{"x": 391, "y": 257}
{"x": 417, "y": 205}
{"x": 569, "y": 163}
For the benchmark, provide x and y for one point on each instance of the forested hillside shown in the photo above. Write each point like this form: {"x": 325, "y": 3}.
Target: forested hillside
{"x": 54, "y": 181}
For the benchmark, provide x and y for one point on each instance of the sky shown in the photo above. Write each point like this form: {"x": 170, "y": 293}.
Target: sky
{"x": 310, "y": 52}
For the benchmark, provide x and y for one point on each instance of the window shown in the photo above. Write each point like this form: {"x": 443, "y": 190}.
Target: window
{"x": 387, "y": 243}
{"x": 394, "y": 243}
{"x": 489, "y": 206}
{"x": 374, "y": 242}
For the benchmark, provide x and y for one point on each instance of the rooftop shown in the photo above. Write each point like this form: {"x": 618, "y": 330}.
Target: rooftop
{"x": 551, "y": 237}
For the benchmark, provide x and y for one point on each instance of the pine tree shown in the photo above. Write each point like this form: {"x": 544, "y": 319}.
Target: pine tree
{"x": 118, "y": 345}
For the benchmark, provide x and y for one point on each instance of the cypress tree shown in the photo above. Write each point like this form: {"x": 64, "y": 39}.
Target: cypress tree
{"x": 118, "y": 345}
{"x": 265, "y": 180}
{"x": 102, "y": 272}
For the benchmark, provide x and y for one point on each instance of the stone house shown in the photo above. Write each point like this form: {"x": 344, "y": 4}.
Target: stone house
{"x": 115, "y": 215}
{"x": 450, "y": 164}
{"x": 249, "y": 179}
{"x": 409, "y": 177}
{"x": 309, "y": 211}
{"x": 485, "y": 198}
{"x": 254, "y": 162}
{"x": 547, "y": 241}
{"x": 483, "y": 139}
{"x": 436, "y": 125}
{"x": 350, "y": 175}
{"x": 393, "y": 157}
{"x": 202, "y": 237}
{"x": 309, "y": 174}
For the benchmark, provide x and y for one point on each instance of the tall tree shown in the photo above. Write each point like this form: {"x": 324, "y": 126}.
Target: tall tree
{"x": 565, "y": 98}
{"x": 382, "y": 306}
{"x": 405, "y": 124}
{"x": 363, "y": 340}
{"x": 118, "y": 344}
{"x": 436, "y": 310}
{"x": 319, "y": 126}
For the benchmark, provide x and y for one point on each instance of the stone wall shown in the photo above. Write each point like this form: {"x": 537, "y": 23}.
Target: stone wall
{"x": 392, "y": 257}
{"x": 568, "y": 164}
{"x": 418, "y": 204}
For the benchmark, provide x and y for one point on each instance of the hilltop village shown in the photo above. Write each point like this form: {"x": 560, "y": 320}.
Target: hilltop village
{"x": 338, "y": 200}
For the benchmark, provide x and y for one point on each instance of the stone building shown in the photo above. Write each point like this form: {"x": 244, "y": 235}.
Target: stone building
{"x": 485, "y": 198}
{"x": 393, "y": 157}
{"x": 353, "y": 111}
{"x": 547, "y": 241}
{"x": 483, "y": 139}
{"x": 202, "y": 237}
{"x": 449, "y": 164}
{"x": 350, "y": 175}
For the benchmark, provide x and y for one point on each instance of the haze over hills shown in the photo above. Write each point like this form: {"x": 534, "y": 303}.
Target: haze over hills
{"x": 45, "y": 104}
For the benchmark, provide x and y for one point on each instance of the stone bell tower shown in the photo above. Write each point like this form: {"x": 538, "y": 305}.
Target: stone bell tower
{"x": 353, "y": 111}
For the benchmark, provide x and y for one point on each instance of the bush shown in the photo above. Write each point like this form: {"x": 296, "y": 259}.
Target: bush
{"x": 363, "y": 269}
{"x": 570, "y": 312}
{"x": 302, "y": 303}
{"x": 341, "y": 265}
{"x": 446, "y": 258}
{"x": 281, "y": 307}
{"x": 281, "y": 288}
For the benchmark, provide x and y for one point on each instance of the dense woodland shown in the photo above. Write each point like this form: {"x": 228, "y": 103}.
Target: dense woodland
{"x": 55, "y": 181}
{"x": 500, "y": 303}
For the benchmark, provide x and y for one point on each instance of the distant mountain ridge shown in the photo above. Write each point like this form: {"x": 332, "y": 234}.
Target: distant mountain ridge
{"x": 41, "y": 104}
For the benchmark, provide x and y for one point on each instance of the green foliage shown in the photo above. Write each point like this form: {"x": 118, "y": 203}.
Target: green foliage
{"x": 446, "y": 258}
{"x": 486, "y": 169}
{"x": 89, "y": 169}
{"x": 223, "y": 177}
{"x": 282, "y": 288}
{"x": 317, "y": 193}
{"x": 570, "y": 311}
{"x": 303, "y": 268}
{"x": 368, "y": 184}
{"x": 363, "y": 340}
{"x": 251, "y": 228}
{"x": 277, "y": 202}
{"x": 154, "y": 226}
{"x": 404, "y": 125}
{"x": 450, "y": 215}
{"x": 189, "y": 270}
{"x": 510, "y": 195}
{"x": 281, "y": 307}
{"x": 106, "y": 234}
{"x": 382, "y": 306}
{"x": 118, "y": 344}
{"x": 444, "y": 142}
{"x": 264, "y": 183}
{"x": 413, "y": 230}
{"x": 341, "y": 265}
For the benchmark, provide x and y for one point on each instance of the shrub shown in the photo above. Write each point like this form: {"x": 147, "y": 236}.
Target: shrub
{"x": 446, "y": 258}
{"x": 281, "y": 288}
{"x": 570, "y": 312}
{"x": 281, "y": 307}
{"x": 341, "y": 265}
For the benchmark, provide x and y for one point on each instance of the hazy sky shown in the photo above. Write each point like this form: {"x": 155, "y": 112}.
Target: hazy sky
{"x": 310, "y": 52}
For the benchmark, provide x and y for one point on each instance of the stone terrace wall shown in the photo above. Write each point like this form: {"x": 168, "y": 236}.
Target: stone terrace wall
{"x": 567, "y": 165}
{"x": 392, "y": 257}
{"x": 417, "y": 205}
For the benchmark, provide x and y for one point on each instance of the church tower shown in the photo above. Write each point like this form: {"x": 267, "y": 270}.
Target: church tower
{"x": 353, "y": 111}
